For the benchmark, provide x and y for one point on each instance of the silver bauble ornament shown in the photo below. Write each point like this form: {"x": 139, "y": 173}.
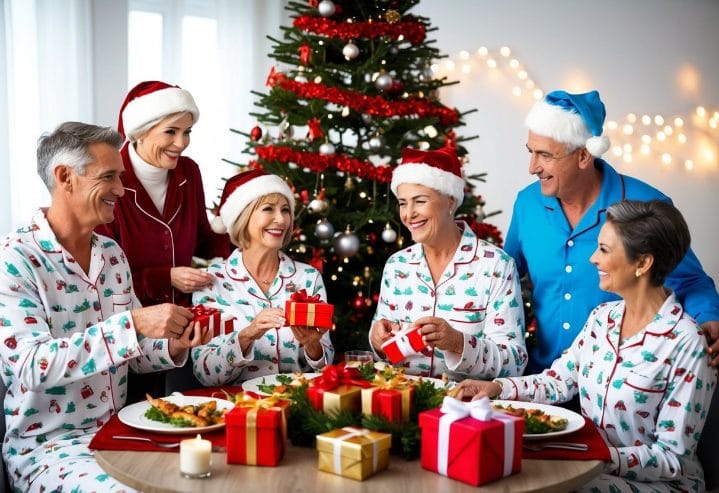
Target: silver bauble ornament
{"x": 366, "y": 118}
{"x": 327, "y": 148}
{"x": 426, "y": 75}
{"x": 393, "y": 50}
{"x": 347, "y": 244}
{"x": 301, "y": 79}
{"x": 326, "y": 8}
{"x": 376, "y": 143}
{"x": 286, "y": 130}
{"x": 389, "y": 235}
{"x": 318, "y": 206}
{"x": 383, "y": 82}
{"x": 350, "y": 51}
{"x": 324, "y": 229}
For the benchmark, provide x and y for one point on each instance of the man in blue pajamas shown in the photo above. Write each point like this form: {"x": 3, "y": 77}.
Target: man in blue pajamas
{"x": 556, "y": 220}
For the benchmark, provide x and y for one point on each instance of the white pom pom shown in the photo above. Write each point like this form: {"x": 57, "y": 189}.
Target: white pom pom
{"x": 598, "y": 145}
{"x": 217, "y": 225}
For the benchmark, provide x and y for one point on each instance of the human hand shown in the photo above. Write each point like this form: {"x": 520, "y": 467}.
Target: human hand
{"x": 436, "y": 332}
{"x": 382, "y": 331}
{"x": 189, "y": 280}
{"x": 269, "y": 318}
{"x": 309, "y": 338}
{"x": 164, "y": 321}
{"x": 476, "y": 389}
{"x": 711, "y": 331}
{"x": 193, "y": 335}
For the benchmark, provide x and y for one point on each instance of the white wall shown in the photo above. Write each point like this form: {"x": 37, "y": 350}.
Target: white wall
{"x": 632, "y": 52}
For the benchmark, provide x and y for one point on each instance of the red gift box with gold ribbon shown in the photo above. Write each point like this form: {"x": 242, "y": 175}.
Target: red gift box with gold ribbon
{"x": 308, "y": 311}
{"x": 404, "y": 343}
{"x": 391, "y": 398}
{"x": 470, "y": 442}
{"x": 218, "y": 322}
{"x": 256, "y": 430}
{"x": 337, "y": 389}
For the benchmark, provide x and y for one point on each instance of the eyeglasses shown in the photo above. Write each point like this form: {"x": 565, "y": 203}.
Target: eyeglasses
{"x": 545, "y": 158}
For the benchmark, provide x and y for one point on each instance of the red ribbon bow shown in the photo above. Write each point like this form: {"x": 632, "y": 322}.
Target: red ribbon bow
{"x": 202, "y": 310}
{"x": 335, "y": 375}
{"x": 301, "y": 297}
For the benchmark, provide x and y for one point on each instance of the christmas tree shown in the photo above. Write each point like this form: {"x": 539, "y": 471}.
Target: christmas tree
{"x": 352, "y": 87}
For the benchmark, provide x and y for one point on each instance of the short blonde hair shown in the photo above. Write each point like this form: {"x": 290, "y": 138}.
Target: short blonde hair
{"x": 240, "y": 235}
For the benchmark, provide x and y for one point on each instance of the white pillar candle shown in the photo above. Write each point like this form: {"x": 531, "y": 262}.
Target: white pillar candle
{"x": 195, "y": 457}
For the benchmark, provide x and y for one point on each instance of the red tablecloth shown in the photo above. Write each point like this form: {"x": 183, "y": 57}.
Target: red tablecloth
{"x": 103, "y": 439}
{"x": 588, "y": 434}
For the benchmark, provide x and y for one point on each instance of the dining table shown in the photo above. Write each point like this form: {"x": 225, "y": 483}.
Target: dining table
{"x": 159, "y": 472}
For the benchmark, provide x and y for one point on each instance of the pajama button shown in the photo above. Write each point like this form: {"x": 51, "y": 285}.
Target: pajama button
{"x": 568, "y": 268}
{"x": 570, "y": 243}
{"x": 567, "y": 296}
{"x": 565, "y": 325}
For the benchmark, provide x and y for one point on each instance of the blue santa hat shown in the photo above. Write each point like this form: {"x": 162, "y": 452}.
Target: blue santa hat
{"x": 574, "y": 119}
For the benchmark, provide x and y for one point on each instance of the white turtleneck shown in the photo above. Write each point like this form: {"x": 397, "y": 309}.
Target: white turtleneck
{"x": 154, "y": 179}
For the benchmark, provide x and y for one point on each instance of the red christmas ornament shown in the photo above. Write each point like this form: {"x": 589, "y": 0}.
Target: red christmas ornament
{"x": 305, "y": 197}
{"x": 315, "y": 131}
{"x": 358, "y": 303}
{"x": 274, "y": 77}
{"x": 318, "y": 259}
{"x": 256, "y": 133}
{"x": 396, "y": 87}
{"x": 305, "y": 52}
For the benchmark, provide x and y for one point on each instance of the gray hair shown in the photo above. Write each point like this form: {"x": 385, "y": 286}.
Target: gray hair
{"x": 69, "y": 144}
{"x": 654, "y": 227}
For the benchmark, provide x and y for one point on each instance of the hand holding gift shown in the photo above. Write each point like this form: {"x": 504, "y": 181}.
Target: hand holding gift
{"x": 404, "y": 343}
{"x": 217, "y": 322}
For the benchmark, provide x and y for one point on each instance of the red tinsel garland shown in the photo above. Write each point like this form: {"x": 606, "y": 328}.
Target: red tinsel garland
{"x": 320, "y": 162}
{"x": 413, "y": 31}
{"x": 372, "y": 105}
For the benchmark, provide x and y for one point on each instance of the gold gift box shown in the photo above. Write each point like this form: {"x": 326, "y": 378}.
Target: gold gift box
{"x": 355, "y": 453}
{"x": 342, "y": 398}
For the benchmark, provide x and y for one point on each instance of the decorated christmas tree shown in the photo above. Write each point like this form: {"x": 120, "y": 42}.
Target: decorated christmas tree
{"x": 353, "y": 85}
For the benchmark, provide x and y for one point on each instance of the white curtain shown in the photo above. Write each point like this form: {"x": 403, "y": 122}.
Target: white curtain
{"x": 46, "y": 59}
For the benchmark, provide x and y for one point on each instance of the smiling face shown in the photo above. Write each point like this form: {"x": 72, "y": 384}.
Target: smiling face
{"x": 616, "y": 271}
{"x": 555, "y": 167}
{"x": 270, "y": 222}
{"x": 427, "y": 214}
{"x": 94, "y": 194}
{"x": 163, "y": 144}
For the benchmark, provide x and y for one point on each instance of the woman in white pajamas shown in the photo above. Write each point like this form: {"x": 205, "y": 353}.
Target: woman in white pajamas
{"x": 640, "y": 365}
{"x": 253, "y": 284}
{"x": 463, "y": 292}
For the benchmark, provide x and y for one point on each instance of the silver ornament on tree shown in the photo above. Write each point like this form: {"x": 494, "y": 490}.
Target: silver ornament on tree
{"x": 426, "y": 75}
{"x": 319, "y": 204}
{"x": 327, "y": 149}
{"x": 350, "y": 51}
{"x": 389, "y": 235}
{"x": 366, "y": 118}
{"x": 324, "y": 229}
{"x": 286, "y": 130}
{"x": 383, "y": 81}
{"x": 326, "y": 8}
{"x": 347, "y": 243}
{"x": 376, "y": 143}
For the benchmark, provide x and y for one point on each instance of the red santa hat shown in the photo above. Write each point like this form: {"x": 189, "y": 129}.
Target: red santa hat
{"x": 243, "y": 189}
{"x": 439, "y": 170}
{"x": 153, "y": 100}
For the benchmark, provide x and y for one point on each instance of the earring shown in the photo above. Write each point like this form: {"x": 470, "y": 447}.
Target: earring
{"x": 638, "y": 273}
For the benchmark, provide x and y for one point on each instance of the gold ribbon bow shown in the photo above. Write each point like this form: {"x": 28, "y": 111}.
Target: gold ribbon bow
{"x": 253, "y": 406}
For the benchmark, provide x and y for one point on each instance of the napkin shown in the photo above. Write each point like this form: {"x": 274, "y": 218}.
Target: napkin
{"x": 103, "y": 438}
{"x": 588, "y": 434}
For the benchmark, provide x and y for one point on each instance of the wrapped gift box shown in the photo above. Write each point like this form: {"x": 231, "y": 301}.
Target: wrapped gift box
{"x": 355, "y": 453}
{"x": 476, "y": 451}
{"x": 256, "y": 431}
{"x": 219, "y": 323}
{"x": 342, "y": 398}
{"x": 392, "y": 403}
{"x": 404, "y": 343}
{"x": 308, "y": 311}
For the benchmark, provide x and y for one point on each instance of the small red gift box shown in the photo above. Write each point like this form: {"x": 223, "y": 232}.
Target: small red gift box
{"x": 470, "y": 442}
{"x": 389, "y": 398}
{"x": 308, "y": 311}
{"x": 337, "y": 389}
{"x": 403, "y": 344}
{"x": 256, "y": 431}
{"x": 218, "y": 322}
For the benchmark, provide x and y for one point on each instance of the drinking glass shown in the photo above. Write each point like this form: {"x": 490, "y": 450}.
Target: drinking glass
{"x": 356, "y": 358}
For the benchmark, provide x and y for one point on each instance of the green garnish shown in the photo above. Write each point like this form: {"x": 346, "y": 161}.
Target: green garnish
{"x": 156, "y": 415}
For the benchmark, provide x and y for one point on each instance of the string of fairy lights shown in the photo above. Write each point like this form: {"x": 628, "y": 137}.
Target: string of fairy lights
{"x": 689, "y": 141}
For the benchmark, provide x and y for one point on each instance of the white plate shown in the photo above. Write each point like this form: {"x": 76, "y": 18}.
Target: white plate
{"x": 134, "y": 415}
{"x": 574, "y": 421}
{"x": 253, "y": 384}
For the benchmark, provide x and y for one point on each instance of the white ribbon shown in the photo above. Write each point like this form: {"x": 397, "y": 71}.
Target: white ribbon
{"x": 481, "y": 410}
{"x": 351, "y": 433}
